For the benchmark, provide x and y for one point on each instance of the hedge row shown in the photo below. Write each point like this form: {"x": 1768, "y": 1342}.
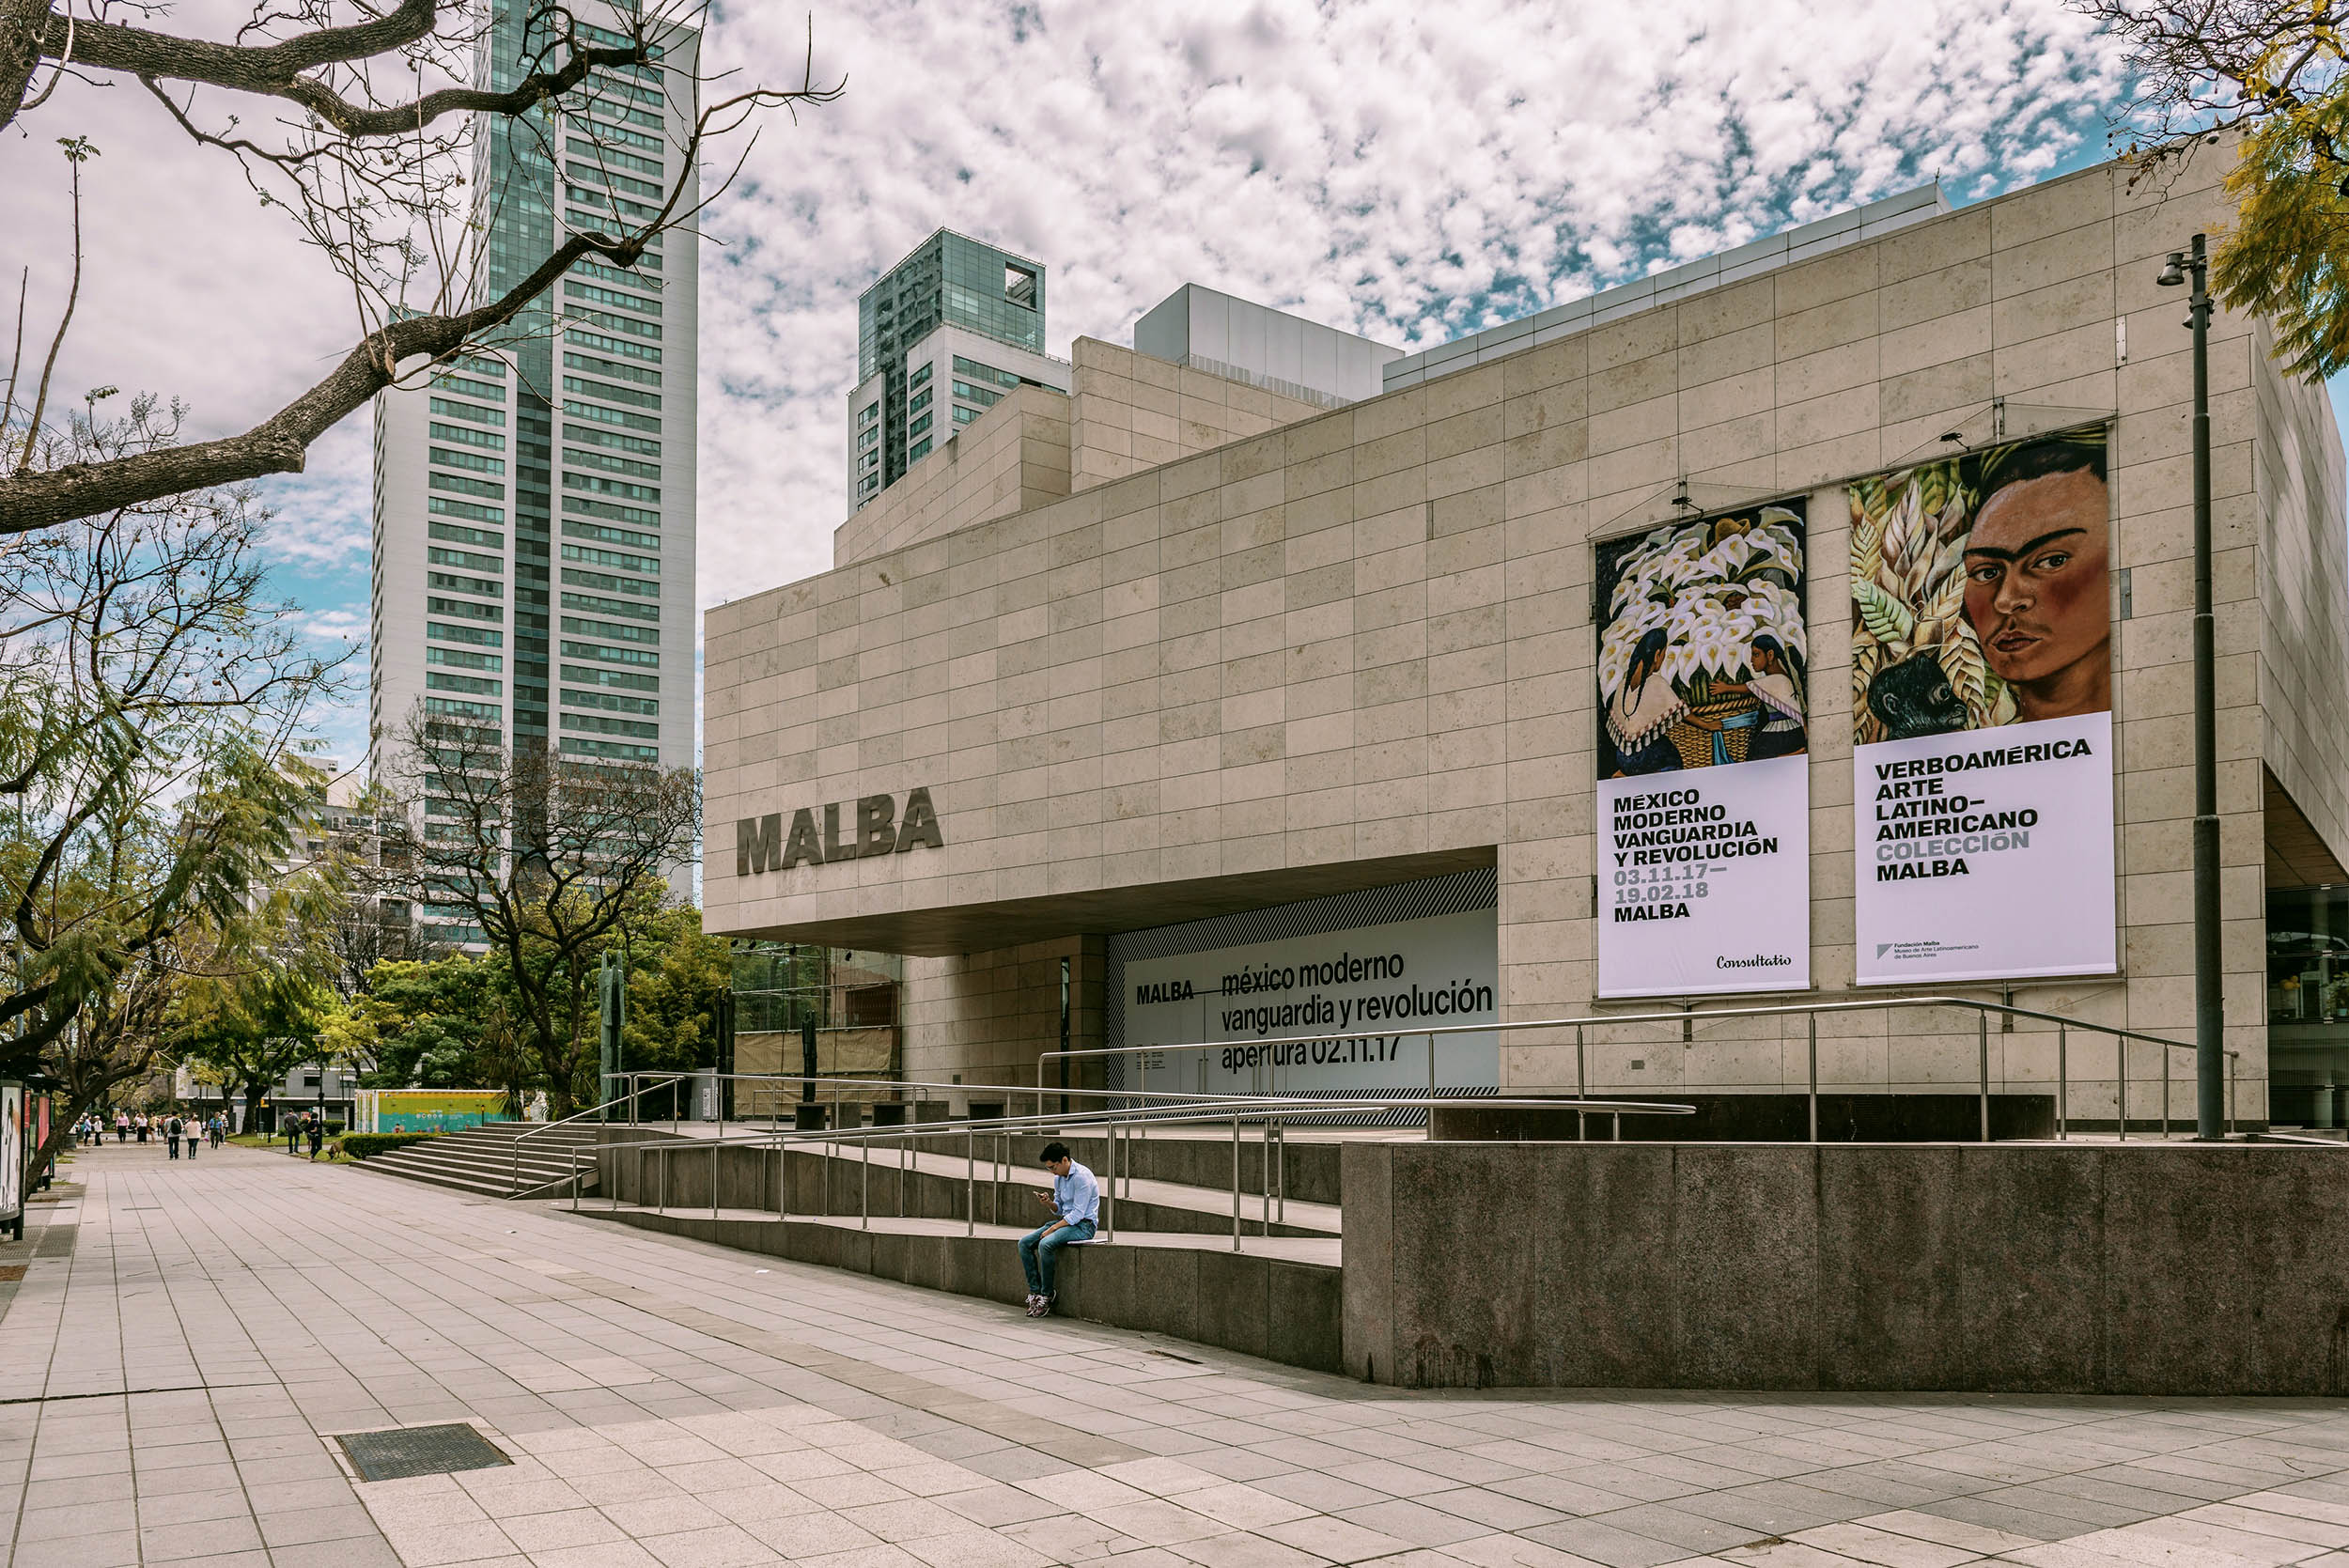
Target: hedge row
{"x": 359, "y": 1145}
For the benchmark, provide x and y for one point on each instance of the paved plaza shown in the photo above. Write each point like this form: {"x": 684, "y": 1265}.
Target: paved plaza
{"x": 185, "y": 1336}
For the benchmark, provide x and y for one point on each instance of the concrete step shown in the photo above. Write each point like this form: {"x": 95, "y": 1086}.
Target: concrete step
{"x": 1279, "y": 1299}
{"x": 489, "y": 1160}
{"x": 480, "y": 1160}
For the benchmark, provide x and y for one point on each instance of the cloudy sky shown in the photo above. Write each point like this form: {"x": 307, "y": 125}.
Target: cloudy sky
{"x": 1403, "y": 171}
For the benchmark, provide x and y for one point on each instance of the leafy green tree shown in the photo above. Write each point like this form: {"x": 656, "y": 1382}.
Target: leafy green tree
{"x": 255, "y": 1027}
{"x": 154, "y": 787}
{"x": 424, "y": 1022}
{"x": 675, "y": 975}
{"x": 2272, "y": 78}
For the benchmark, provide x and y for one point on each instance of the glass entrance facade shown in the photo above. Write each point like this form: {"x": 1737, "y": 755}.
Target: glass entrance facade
{"x": 2308, "y": 1007}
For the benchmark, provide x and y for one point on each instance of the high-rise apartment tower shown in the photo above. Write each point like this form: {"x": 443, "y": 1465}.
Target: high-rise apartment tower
{"x": 943, "y": 334}
{"x": 534, "y": 506}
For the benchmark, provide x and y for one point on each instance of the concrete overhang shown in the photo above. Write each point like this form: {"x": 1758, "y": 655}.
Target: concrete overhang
{"x": 950, "y": 931}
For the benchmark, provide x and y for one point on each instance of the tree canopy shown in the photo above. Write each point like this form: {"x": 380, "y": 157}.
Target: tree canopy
{"x": 2262, "y": 82}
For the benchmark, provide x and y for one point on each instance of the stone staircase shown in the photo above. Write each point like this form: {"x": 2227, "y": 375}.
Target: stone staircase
{"x": 483, "y": 1160}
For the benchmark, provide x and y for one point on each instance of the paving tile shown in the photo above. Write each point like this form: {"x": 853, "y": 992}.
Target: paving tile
{"x": 718, "y": 1546}
{"x": 1336, "y": 1539}
{"x": 90, "y": 1518}
{"x": 344, "y": 1554}
{"x": 302, "y": 1525}
{"x": 436, "y": 1545}
{"x": 171, "y": 1543}
{"x": 979, "y": 1549}
{"x": 1242, "y": 1550}
{"x": 535, "y": 1533}
{"x": 1606, "y": 1544}
{"x": 863, "y": 1557}
{"x": 1864, "y": 1544}
{"x": 1947, "y": 1531}
{"x": 602, "y": 1554}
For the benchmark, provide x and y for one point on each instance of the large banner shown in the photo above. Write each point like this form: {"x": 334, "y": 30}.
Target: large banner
{"x": 1703, "y": 778}
{"x": 1982, "y": 716}
{"x": 1277, "y": 1007}
{"x": 13, "y": 1155}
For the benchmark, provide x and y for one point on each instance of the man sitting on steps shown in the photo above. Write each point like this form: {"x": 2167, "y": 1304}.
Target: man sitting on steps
{"x": 1076, "y": 1199}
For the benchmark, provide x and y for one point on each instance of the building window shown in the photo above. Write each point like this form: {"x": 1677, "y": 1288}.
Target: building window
{"x": 918, "y": 425}
{"x": 964, "y": 416}
{"x": 976, "y": 371}
{"x": 2307, "y": 1004}
{"x": 1019, "y": 286}
{"x": 921, "y": 401}
{"x": 869, "y": 414}
{"x": 920, "y": 377}
{"x": 919, "y": 450}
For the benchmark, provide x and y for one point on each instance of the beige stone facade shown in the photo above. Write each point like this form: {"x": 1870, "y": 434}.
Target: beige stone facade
{"x": 1358, "y": 647}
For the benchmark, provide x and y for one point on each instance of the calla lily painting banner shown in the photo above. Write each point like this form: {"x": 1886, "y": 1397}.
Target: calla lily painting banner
{"x": 1982, "y": 716}
{"x": 1703, "y": 786}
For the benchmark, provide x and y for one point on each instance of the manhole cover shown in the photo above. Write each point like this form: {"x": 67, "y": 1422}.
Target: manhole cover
{"x": 407, "y": 1450}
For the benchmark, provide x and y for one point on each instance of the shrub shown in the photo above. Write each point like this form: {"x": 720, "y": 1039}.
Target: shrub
{"x": 360, "y": 1145}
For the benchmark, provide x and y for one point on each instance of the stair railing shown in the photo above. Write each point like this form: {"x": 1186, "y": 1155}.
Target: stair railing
{"x": 1266, "y": 1111}
{"x": 514, "y": 1180}
{"x": 1689, "y": 1020}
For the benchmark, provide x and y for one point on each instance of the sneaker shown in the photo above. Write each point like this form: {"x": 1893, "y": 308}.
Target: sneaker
{"x": 1044, "y": 1305}
{"x": 1033, "y": 1300}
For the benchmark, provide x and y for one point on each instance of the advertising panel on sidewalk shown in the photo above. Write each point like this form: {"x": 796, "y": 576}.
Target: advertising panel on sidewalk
{"x": 425, "y": 1109}
{"x": 13, "y": 1158}
{"x": 1704, "y": 787}
{"x": 1285, "y": 1001}
{"x": 1982, "y": 716}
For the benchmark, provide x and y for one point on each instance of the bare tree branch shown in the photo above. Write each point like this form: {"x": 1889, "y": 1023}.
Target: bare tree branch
{"x": 373, "y": 188}
{"x": 77, "y": 150}
{"x": 276, "y": 71}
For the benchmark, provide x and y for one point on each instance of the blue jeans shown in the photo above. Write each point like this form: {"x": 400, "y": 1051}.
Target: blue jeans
{"x": 1039, "y": 1254}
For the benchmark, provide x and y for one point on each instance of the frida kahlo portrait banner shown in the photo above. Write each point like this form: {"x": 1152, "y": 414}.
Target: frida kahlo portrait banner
{"x": 1982, "y": 716}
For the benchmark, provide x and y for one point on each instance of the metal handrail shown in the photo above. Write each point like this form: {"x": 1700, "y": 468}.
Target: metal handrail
{"x": 515, "y": 1174}
{"x": 1689, "y": 1017}
{"x": 846, "y": 1081}
{"x": 1265, "y": 1109}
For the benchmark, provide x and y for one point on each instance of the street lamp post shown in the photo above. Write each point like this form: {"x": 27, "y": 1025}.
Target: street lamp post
{"x": 2210, "y": 1009}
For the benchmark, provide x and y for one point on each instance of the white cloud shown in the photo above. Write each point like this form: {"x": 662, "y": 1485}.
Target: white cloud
{"x": 1410, "y": 172}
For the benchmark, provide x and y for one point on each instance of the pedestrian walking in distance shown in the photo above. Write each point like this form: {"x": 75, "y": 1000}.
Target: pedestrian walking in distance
{"x": 317, "y": 1135}
{"x": 171, "y": 1136}
{"x": 293, "y": 1134}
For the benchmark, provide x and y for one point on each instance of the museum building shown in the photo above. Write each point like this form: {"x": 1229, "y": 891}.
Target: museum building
{"x": 1805, "y": 626}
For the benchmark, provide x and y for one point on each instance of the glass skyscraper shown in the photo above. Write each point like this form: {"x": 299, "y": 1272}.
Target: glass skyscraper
{"x": 533, "y": 572}
{"x": 949, "y": 280}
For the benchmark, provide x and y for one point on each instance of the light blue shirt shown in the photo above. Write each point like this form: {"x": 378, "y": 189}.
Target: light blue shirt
{"x": 1077, "y": 1195}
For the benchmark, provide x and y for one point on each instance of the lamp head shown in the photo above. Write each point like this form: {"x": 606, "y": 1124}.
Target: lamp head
{"x": 2173, "y": 276}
